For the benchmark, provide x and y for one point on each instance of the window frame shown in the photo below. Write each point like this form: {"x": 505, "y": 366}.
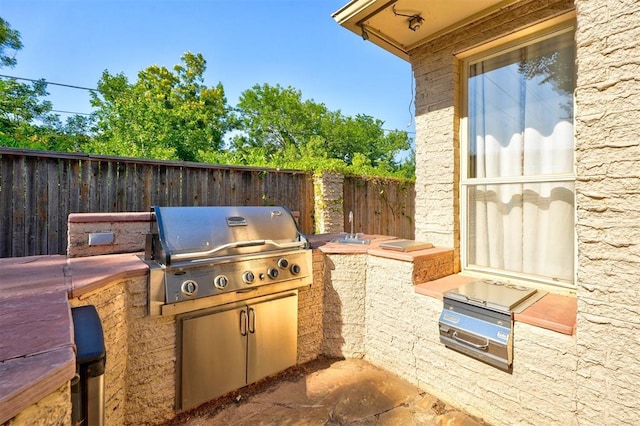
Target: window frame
{"x": 526, "y": 37}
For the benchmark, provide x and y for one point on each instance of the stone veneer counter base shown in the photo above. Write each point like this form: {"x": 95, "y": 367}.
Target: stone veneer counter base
{"x": 36, "y": 342}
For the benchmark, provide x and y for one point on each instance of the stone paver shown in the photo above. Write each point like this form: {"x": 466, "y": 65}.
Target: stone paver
{"x": 342, "y": 392}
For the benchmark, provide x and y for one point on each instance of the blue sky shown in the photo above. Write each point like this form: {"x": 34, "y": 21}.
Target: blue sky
{"x": 245, "y": 42}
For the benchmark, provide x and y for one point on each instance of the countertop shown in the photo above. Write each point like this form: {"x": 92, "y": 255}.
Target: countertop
{"x": 553, "y": 312}
{"x": 37, "y": 351}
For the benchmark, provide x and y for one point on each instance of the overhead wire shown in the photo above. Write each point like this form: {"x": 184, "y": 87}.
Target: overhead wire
{"x": 49, "y": 82}
{"x": 70, "y": 112}
{"x": 72, "y": 86}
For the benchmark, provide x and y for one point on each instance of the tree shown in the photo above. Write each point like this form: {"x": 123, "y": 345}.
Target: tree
{"x": 165, "y": 114}
{"x": 291, "y": 132}
{"x": 24, "y": 117}
{"x": 9, "y": 38}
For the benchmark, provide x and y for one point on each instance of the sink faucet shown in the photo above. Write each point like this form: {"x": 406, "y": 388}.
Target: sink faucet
{"x": 351, "y": 235}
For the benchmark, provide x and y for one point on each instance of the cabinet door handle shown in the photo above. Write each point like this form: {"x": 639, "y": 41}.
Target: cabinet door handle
{"x": 252, "y": 320}
{"x": 243, "y": 322}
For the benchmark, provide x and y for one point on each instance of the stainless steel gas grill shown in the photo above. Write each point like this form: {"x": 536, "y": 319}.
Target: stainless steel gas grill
{"x": 231, "y": 276}
{"x": 198, "y": 253}
{"x": 477, "y": 319}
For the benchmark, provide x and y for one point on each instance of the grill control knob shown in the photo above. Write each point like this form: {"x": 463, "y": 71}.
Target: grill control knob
{"x": 283, "y": 263}
{"x": 189, "y": 287}
{"x": 248, "y": 277}
{"x": 295, "y": 269}
{"x": 273, "y": 273}
{"x": 220, "y": 282}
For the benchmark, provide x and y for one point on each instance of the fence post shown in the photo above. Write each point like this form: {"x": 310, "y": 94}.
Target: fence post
{"x": 328, "y": 189}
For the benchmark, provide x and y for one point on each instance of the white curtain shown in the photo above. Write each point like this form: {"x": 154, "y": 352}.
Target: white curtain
{"x": 520, "y": 126}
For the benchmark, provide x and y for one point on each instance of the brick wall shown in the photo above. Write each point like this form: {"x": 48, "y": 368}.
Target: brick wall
{"x": 352, "y": 287}
{"x": 140, "y": 369}
{"x": 151, "y": 361}
{"x": 608, "y": 210}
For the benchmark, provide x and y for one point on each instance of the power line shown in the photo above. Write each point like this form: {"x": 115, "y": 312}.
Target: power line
{"x": 72, "y": 86}
{"x": 70, "y": 112}
{"x": 49, "y": 82}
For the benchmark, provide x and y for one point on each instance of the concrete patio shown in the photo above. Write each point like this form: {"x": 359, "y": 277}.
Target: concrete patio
{"x": 328, "y": 392}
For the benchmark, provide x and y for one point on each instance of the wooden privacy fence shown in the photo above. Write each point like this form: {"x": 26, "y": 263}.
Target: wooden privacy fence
{"x": 380, "y": 206}
{"x": 38, "y": 190}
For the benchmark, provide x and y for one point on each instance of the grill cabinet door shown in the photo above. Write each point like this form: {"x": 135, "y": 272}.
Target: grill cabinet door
{"x": 273, "y": 337}
{"x": 213, "y": 356}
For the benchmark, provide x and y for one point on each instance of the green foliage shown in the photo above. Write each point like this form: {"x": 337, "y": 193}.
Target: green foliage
{"x": 26, "y": 120}
{"x": 278, "y": 129}
{"x": 165, "y": 114}
{"x": 9, "y": 39}
{"x": 170, "y": 114}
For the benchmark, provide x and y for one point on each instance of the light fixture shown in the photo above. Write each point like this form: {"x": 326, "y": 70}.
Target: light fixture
{"x": 365, "y": 34}
{"x": 415, "y": 22}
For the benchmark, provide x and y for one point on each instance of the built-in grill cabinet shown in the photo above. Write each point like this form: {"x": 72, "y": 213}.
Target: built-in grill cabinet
{"x": 230, "y": 275}
{"x": 477, "y": 320}
{"x": 231, "y": 346}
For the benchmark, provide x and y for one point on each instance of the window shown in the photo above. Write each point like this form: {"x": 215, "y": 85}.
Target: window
{"x": 518, "y": 160}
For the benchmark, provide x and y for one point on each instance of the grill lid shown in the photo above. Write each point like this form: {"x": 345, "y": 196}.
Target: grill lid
{"x": 192, "y": 233}
{"x": 491, "y": 294}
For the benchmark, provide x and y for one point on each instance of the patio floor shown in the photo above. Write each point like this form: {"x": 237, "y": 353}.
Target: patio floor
{"x": 328, "y": 392}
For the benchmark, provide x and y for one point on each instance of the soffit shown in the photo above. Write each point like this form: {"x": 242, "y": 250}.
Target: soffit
{"x": 385, "y": 23}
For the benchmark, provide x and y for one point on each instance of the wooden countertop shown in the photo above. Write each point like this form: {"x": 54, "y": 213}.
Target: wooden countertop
{"x": 37, "y": 351}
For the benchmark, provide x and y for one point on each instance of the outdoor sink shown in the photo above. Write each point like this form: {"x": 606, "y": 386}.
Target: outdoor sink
{"x": 351, "y": 238}
{"x": 350, "y": 241}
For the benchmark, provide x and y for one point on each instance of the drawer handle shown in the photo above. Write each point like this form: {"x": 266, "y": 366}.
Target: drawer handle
{"x": 475, "y": 345}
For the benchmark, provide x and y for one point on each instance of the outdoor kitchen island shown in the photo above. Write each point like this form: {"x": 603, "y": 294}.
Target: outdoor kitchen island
{"x": 353, "y": 308}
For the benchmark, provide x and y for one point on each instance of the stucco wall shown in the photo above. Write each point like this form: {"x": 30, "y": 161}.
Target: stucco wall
{"x": 328, "y": 206}
{"x": 436, "y": 71}
{"x": 344, "y": 293}
{"x": 607, "y": 107}
{"x": 111, "y": 304}
{"x": 140, "y": 369}
{"x": 140, "y": 372}
{"x": 310, "y": 311}
{"x": 608, "y": 210}
{"x": 128, "y": 231}
{"x": 52, "y": 410}
{"x": 402, "y": 337}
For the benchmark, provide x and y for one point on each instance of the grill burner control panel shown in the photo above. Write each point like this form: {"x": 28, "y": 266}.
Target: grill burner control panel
{"x": 192, "y": 282}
